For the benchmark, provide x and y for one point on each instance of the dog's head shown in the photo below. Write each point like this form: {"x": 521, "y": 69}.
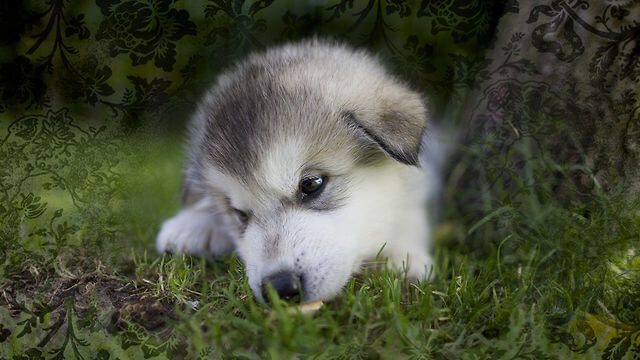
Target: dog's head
{"x": 307, "y": 146}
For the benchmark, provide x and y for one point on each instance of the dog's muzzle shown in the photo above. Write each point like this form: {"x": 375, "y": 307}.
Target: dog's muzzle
{"x": 286, "y": 284}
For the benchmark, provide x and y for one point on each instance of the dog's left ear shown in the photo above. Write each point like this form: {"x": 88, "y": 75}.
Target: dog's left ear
{"x": 397, "y": 123}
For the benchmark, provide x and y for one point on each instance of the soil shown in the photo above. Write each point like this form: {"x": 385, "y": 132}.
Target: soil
{"x": 97, "y": 297}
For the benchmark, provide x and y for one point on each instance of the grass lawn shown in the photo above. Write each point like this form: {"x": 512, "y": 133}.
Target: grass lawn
{"x": 528, "y": 279}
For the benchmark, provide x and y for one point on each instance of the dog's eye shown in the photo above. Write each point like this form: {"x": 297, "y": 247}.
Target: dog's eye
{"x": 242, "y": 215}
{"x": 312, "y": 186}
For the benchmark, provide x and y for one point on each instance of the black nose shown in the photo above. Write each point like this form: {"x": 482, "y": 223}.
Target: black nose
{"x": 286, "y": 284}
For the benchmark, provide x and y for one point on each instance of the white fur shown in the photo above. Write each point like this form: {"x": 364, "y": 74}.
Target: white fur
{"x": 193, "y": 231}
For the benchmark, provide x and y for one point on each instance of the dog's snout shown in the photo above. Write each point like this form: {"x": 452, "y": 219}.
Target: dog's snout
{"x": 286, "y": 284}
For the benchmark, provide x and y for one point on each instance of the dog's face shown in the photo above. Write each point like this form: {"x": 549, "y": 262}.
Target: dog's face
{"x": 308, "y": 163}
{"x": 308, "y": 214}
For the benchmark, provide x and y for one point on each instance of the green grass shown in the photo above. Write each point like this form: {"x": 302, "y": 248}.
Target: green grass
{"x": 530, "y": 279}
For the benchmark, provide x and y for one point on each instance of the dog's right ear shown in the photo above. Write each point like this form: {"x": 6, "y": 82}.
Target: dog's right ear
{"x": 396, "y": 126}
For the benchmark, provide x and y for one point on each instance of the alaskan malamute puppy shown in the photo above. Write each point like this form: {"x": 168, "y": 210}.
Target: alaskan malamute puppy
{"x": 305, "y": 160}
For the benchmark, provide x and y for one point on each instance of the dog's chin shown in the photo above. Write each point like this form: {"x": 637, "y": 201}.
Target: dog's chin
{"x": 325, "y": 293}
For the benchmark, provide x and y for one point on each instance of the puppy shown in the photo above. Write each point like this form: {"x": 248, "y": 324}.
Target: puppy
{"x": 305, "y": 160}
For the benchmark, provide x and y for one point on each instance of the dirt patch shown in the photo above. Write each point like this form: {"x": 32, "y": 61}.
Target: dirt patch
{"x": 147, "y": 312}
{"x": 96, "y": 297}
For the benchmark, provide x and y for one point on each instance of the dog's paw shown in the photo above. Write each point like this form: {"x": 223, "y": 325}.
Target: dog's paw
{"x": 421, "y": 267}
{"x": 418, "y": 265}
{"x": 196, "y": 233}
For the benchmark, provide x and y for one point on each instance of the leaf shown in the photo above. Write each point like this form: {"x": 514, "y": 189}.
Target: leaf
{"x": 180, "y": 25}
{"x": 127, "y": 96}
{"x": 34, "y": 210}
{"x": 165, "y": 55}
{"x": 130, "y": 338}
{"x": 27, "y": 326}
{"x": 34, "y": 354}
{"x": 57, "y": 213}
{"x": 140, "y": 59}
{"x": 151, "y": 351}
{"x": 70, "y": 30}
{"x": 618, "y": 346}
{"x": 4, "y": 334}
{"x": 601, "y": 63}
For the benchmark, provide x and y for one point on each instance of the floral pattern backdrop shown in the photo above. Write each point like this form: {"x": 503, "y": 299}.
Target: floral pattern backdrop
{"x": 77, "y": 77}
{"x": 565, "y": 76}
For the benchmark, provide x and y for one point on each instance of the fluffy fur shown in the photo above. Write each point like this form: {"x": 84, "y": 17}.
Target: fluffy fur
{"x": 307, "y": 109}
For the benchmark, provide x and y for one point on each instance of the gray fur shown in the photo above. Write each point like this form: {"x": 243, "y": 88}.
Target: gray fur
{"x": 268, "y": 96}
